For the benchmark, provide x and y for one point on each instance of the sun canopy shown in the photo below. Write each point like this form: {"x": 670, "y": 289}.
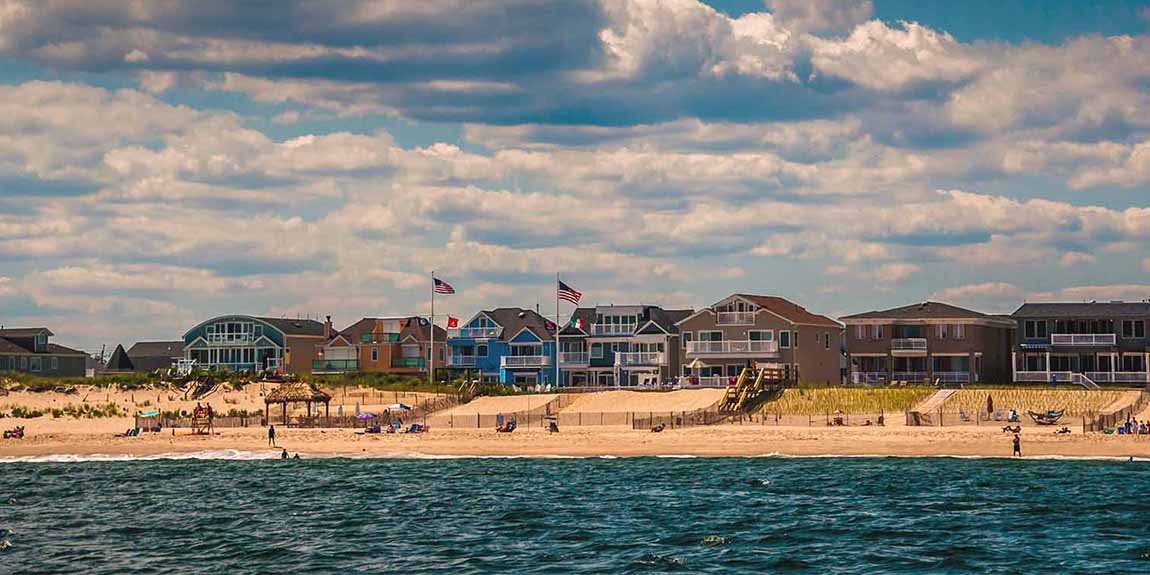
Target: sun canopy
{"x": 399, "y": 406}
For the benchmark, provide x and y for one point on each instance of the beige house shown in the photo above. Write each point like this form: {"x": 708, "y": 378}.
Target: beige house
{"x": 744, "y": 330}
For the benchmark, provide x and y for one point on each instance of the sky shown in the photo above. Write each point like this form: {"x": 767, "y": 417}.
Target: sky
{"x": 163, "y": 162}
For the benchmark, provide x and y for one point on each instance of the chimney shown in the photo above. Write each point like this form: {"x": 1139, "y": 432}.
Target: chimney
{"x": 327, "y": 328}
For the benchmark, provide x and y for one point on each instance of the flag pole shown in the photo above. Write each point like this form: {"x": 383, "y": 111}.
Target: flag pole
{"x": 557, "y": 330}
{"x": 431, "y": 371}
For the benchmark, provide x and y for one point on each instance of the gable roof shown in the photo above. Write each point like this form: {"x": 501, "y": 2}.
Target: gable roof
{"x": 921, "y": 311}
{"x": 421, "y": 331}
{"x": 789, "y": 310}
{"x": 22, "y": 332}
{"x": 161, "y": 349}
{"x": 1115, "y": 309}
{"x": 120, "y": 361}
{"x": 305, "y": 327}
{"x": 9, "y": 346}
{"x": 515, "y": 319}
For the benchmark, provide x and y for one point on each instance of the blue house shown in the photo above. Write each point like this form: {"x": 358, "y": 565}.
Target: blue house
{"x": 505, "y": 345}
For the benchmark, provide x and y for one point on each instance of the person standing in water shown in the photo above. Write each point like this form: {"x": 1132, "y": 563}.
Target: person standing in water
{"x": 284, "y": 455}
{"x": 272, "y": 435}
{"x": 1017, "y": 445}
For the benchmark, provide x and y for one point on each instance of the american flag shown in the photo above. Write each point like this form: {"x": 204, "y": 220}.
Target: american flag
{"x": 568, "y": 293}
{"x": 443, "y": 287}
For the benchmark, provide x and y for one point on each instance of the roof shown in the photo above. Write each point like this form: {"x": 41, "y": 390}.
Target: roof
{"x": 924, "y": 310}
{"x": 514, "y": 320}
{"x": 9, "y": 346}
{"x": 296, "y": 392}
{"x": 1092, "y": 310}
{"x": 165, "y": 349}
{"x": 789, "y": 310}
{"x": 412, "y": 325}
{"x": 56, "y": 349}
{"x": 307, "y": 327}
{"x": 120, "y": 361}
{"x": 664, "y": 318}
{"x": 24, "y": 331}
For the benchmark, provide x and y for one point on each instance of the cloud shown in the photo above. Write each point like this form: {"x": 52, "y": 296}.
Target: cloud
{"x": 821, "y": 16}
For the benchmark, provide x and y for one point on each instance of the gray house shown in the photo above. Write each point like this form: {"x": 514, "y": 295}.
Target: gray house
{"x": 1083, "y": 343}
{"x": 28, "y": 350}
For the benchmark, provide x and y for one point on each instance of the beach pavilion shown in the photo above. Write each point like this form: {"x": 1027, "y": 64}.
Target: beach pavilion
{"x": 297, "y": 392}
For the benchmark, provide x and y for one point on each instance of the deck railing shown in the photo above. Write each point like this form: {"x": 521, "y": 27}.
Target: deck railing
{"x": 574, "y": 358}
{"x": 462, "y": 361}
{"x": 625, "y": 358}
{"x": 908, "y": 344}
{"x": 1086, "y": 339}
{"x": 525, "y": 360}
{"x": 729, "y": 347}
{"x": 735, "y": 318}
{"x": 868, "y": 377}
{"x": 474, "y": 332}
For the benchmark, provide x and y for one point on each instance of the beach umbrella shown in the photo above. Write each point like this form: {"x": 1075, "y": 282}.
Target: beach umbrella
{"x": 365, "y": 415}
{"x": 696, "y": 364}
{"x": 402, "y": 406}
{"x": 151, "y": 413}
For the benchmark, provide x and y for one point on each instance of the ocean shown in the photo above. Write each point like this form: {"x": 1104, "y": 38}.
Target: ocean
{"x": 538, "y": 515}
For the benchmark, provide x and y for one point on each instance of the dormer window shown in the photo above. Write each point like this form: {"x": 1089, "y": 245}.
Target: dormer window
{"x": 41, "y": 342}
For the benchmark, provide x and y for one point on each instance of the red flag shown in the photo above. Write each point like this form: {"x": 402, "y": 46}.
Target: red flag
{"x": 550, "y": 326}
{"x": 452, "y": 321}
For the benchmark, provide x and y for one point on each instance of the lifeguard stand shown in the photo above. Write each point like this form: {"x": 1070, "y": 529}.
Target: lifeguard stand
{"x": 202, "y": 425}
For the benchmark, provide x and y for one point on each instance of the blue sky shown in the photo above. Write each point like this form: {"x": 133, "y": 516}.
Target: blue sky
{"x": 164, "y": 164}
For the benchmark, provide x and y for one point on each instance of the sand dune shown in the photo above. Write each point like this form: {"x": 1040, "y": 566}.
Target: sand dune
{"x": 640, "y": 401}
{"x": 503, "y": 404}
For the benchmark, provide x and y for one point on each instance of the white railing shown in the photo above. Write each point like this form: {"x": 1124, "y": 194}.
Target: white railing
{"x": 525, "y": 360}
{"x": 1119, "y": 376}
{"x": 735, "y": 318}
{"x": 1083, "y": 379}
{"x": 952, "y": 376}
{"x": 912, "y": 376}
{"x": 462, "y": 360}
{"x": 908, "y": 344}
{"x": 625, "y": 358}
{"x": 868, "y": 377}
{"x": 612, "y": 329}
{"x": 231, "y": 338}
{"x": 740, "y": 347}
{"x": 574, "y": 358}
{"x": 705, "y": 381}
{"x": 1083, "y": 339}
{"x": 474, "y": 332}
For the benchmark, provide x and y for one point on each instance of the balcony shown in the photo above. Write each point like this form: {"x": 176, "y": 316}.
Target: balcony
{"x": 1083, "y": 339}
{"x": 231, "y": 338}
{"x": 719, "y": 381}
{"x": 379, "y": 338}
{"x": 639, "y": 358}
{"x": 474, "y": 332}
{"x": 952, "y": 376}
{"x": 334, "y": 365}
{"x": 908, "y": 346}
{"x": 909, "y": 376}
{"x": 409, "y": 363}
{"x": 1119, "y": 376}
{"x": 735, "y": 348}
{"x": 524, "y": 361}
{"x": 574, "y": 358}
{"x": 735, "y": 318}
{"x": 612, "y": 329}
{"x": 868, "y": 377}
{"x": 461, "y": 361}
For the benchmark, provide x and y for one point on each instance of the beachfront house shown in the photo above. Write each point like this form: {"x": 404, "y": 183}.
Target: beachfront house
{"x": 1083, "y": 343}
{"x": 397, "y": 345}
{"x": 505, "y": 345}
{"x": 928, "y": 342}
{"x": 620, "y": 345}
{"x": 744, "y": 330}
{"x": 250, "y": 343}
{"x": 28, "y": 350}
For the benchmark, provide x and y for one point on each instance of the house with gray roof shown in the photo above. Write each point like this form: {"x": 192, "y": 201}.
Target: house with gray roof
{"x": 251, "y": 343}
{"x": 507, "y": 345}
{"x": 621, "y": 345}
{"x": 928, "y": 342}
{"x": 29, "y": 350}
{"x": 1085, "y": 343}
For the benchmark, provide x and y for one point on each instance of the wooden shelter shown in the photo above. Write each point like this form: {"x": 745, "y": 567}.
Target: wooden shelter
{"x": 297, "y": 392}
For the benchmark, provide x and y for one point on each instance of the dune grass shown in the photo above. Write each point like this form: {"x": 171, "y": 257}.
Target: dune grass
{"x": 1074, "y": 401}
{"x": 820, "y": 401}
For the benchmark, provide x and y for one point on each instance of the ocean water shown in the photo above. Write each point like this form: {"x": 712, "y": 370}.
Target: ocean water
{"x": 648, "y": 515}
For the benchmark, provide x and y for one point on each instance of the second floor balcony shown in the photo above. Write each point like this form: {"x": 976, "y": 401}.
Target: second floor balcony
{"x": 525, "y": 361}
{"x": 334, "y": 365}
{"x": 574, "y": 358}
{"x": 734, "y": 348}
{"x": 633, "y": 358}
{"x": 462, "y": 360}
{"x": 612, "y": 329}
{"x": 735, "y": 318}
{"x": 474, "y": 332}
{"x": 1083, "y": 339}
{"x": 908, "y": 346}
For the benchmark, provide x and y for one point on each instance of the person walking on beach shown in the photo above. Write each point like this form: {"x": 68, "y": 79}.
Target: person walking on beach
{"x": 272, "y": 435}
{"x": 1017, "y": 445}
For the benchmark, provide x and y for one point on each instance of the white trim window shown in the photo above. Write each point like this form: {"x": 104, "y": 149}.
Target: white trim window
{"x": 942, "y": 330}
{"x": 860, "y": 332}
{"x": 596, "y": 351}
{"x": 687, "y": 337}
{"x": 784, "y": 339}
{"x": 959, "y": 331}
{"x": 375, "y": 354}
{"x": 55, "y": 363}
{"x": 761, "y": 335}
{"x": 878, "y": 331}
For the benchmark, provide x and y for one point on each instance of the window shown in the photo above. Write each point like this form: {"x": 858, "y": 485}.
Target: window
{"x": 878, "y": 332}
{"x": 596, "y": 351}
{"x": 1133, "y": 329}
{"x": 761, "y": 335}
{"x": 35, "y": 364}
{"x": 959, "y": 331}
{"x": 481, "y": 350}
{"x": 687, "y": 337}
{"x": 942, "y": 330}
{"x": 795, "y": 339}
{"x": 710, "y": 336}
{"x": 55, "y": 363}
{"x": 1132, "y": 363}
{"x": 785, "y": 339}
{"x": 375, "y": 354}
{"x": 860, "y": 332}
{"x": 827, "y": 336}
{"x": 1036, "y": 329}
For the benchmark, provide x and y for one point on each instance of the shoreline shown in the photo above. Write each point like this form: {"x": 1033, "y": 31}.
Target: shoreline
{"x": 590, "y": 442}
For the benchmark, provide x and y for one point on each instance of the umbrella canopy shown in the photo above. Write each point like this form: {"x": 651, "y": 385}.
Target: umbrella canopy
{"x": 399, "y": 406}
{"x": 150, "y": 413}
{"x": 365, "y": 415}
{"x": 696, "y": 364}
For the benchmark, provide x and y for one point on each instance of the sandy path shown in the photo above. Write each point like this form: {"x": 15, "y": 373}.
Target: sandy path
{"x": 643, "y": 401}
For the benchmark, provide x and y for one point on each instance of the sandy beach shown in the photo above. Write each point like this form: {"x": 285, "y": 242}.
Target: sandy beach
{"x": 720, "y": 440}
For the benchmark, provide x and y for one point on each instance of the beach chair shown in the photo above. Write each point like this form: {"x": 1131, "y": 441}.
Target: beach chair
{"x": 999, "y": 415}
{"x": 658, "y": 428}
